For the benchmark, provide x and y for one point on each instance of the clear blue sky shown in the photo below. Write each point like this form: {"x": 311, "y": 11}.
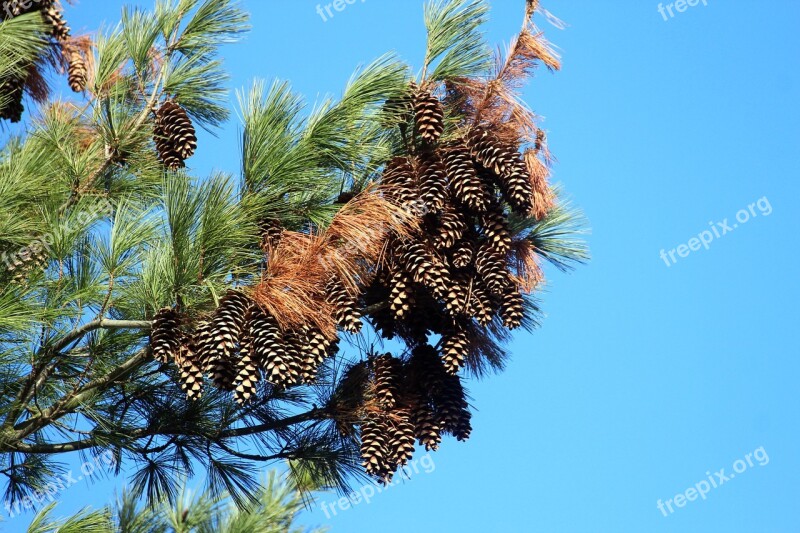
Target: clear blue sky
{"x": 643, "y": 377}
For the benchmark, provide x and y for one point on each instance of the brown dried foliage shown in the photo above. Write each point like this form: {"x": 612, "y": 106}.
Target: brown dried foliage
{"x": 351, "y": 248}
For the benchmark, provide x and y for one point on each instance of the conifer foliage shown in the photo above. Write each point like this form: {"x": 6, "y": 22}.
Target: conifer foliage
{"x": 54, "y": 44}
{"x": 226, "y": 320}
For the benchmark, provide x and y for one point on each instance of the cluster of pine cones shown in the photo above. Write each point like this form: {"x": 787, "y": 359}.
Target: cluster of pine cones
{"x": 174, "y": 135}
{"x": 239, "y": 345}
{"x": 453, "y": 273}
{"x": 59, "y": 30}
{"x": 399, "y": 402}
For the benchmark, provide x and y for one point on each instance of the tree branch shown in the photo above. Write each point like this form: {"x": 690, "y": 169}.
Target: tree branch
{"x": 64, "y": 447}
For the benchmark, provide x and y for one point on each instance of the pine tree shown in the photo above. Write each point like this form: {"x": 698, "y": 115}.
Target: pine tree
{"x": 415, "y": 208}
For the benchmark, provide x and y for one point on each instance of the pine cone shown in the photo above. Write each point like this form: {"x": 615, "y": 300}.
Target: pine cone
{"x": 271, "y": 233}
{"x": 458, "y": 295}
{"x": 315, "y": 347}
{"x": 454, "y": 350}
{"x": 507, "y": 163}
{"x": 77, "y": 72}
{"x": 399, "y": 177}
{"x": 399, "y": 111}
{"x": 52, "y": 15}
{"x": 174, "y": 135}
{"x": 165, "y": 335}
{"x": 417, "y": 261}
{"x": 348, "y": 398}
{"x": 491, "y": 266}
{"x": 207, "y": 348}
{"x": 388, "y": 374}
{"x": 453, "y": 409}
{"x": 433, "y": 183}
{"x": 375, "y": 452}
{"x": 401, "y": 298}
{"x": 467, "y": 186}
{"x": 13, "y": 89}
{"x": 269, "y": 351}
{"x": 481, "y": 305}
{"x": 226, "y": 331}
{"x": 426, "y": 429}
{"x": 428, "y": 115}
{"x": 247, "y": 373}
{"x": 496, "y": 230}
{"x": 401, "y": 439}
{"x": 345, "y": 307}
{"x": 512, "y": 311}
{"x": 451, "y": 228}
{"x": 462, "y": 254}
{"x": 191, "y": 371}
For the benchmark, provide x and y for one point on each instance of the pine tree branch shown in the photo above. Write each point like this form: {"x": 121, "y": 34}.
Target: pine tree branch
{"x": 40, "y": 371}
{"x": 100, "y": 323}
{"x": 143, "y": 433}
{"x": 74, "y": 400}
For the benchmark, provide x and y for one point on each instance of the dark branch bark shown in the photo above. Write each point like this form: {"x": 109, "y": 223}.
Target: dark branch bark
{"x": 83, "y": 444}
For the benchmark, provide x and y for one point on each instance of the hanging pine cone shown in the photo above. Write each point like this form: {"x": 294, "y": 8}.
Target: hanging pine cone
{"x": 400, "y": 442}
{"x": 433, "y": 183}
{"x": 226, "y": 331}
{"x": 51, "y": 13}
{"x": 507, "y": 163}
{"x": 417, "y": 261}
{"x": 166, "y": 336}
{"x": 191, "y": 370}
{"x": 77, "y": 72}
{"x": 462, "y": 253}
{"x": 453, "y": 409}
{"x": 426, "y": 370}
{"x": 388, "y": 374}
{"x": 491, "y": 266}
{"x": 399, "y": 178}
{"x": 428, "y": 116}
{"x": 451, "y": 228}
{"x": 467, "y": 186}
{"x": 458, "y": 294}
{"x": 207, "y": 348}
{"x": 174, "y": 135}
{"x": 496, "y": 230}
{"x": 426, "y": 429}
{"x": 401, "y": 298}
{"x": 345, "y": 307}
{"x": 12, "y": 89}
{"x": 399, "y": 111}
{"x": 247, "y": 373}
{"x": 271, "y": 233}
{"x": 315, "y": 347}
{"x": 348, "y": 398}
{"x": 375, "y": 452}
{"x": 512, "y": 310}
{"x": 269, "y": 351}
{"x": 481, "y": 306}
{"x": 438, "y": 278}
{"x": 455, "y": 346}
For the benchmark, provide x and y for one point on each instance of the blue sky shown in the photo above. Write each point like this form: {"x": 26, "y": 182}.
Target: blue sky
{"x": 643, "y": 376}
